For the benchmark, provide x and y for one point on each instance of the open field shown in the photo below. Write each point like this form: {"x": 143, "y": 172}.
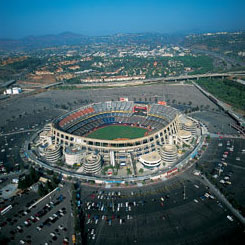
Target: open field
{"x": 114, "y": 132}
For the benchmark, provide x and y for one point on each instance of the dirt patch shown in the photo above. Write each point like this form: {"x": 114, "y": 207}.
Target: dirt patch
{"x": 122, "y": 139}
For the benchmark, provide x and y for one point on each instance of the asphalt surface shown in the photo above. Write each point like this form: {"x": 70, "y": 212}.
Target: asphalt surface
{"x": 235, "y": 168}
{"x": 178, "y": 220}
{"x": 30, "y": 233}
{"x": 216, "y": 122}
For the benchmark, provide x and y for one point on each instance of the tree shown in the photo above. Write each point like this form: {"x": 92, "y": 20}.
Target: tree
{"x": 141, "y": 171}
{"x": 41, "y": 190}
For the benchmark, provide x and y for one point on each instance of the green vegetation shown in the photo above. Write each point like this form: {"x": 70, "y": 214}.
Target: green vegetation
{"x": 200, "y": 64}
{"x": 228, "y": 44}
{"x": 141, "y": 171}
{"x": 117, "y": 132}
{"x": 129, "y": 171}
{"x": 30, "y": 62}
{"x": 44, "y": 189}
{"x": 29, "y": 179}
{"x": 228, "y": 91}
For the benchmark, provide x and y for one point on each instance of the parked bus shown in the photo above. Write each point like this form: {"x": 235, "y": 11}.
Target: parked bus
{"x": 5, "y": 210}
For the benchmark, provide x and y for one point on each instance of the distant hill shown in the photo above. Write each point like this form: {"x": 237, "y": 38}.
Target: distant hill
{"x": 69, "y": 38}
{"x": 36, "y": 42}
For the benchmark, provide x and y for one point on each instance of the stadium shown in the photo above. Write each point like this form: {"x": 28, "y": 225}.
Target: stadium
{"x": 117, "y": 134}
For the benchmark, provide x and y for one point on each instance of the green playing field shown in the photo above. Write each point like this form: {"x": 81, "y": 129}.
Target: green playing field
{"x": 113, "y": 132}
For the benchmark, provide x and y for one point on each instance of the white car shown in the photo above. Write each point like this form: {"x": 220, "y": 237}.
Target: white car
{"x": 230, "y": 218}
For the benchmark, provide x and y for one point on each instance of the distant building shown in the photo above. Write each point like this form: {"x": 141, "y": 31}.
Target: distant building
{"x": 44, "y": 73}
{"x": 14, "y": 90}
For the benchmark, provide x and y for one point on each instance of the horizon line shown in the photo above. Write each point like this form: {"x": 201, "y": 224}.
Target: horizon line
{"x": 125, "y": 33}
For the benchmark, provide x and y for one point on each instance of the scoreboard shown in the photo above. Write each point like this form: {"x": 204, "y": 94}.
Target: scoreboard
{"x": 140, "y": 110}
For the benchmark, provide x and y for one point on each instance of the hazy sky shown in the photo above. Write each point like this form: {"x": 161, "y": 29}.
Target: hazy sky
{"x": 19, "y": 18}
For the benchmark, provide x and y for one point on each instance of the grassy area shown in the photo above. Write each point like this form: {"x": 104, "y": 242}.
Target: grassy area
{"x": 117, "y": 132}
{"x": 230, "y": 92}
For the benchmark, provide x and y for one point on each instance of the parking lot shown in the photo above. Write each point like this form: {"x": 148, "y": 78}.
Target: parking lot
{"x": 217, "y": 122}
{"x": 224, "y": 160}
{"x": 174, "y": 212}
{"x": 49, "y": 221}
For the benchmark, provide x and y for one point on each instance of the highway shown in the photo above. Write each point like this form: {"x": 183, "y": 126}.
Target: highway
{"x": 164, "y": 79}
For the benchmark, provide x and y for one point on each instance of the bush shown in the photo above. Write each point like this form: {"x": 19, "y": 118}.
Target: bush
{"x": 141, "y": 171}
